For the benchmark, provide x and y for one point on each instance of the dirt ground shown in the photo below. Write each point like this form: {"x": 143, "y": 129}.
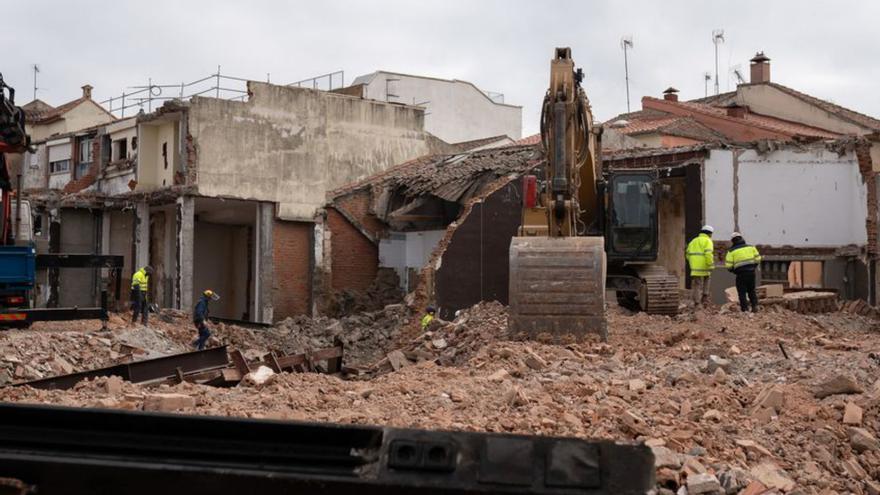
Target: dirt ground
{"x": 778, "y": 402}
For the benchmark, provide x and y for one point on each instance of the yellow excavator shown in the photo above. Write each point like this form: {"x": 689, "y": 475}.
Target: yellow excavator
{"x": 583, "y": 229}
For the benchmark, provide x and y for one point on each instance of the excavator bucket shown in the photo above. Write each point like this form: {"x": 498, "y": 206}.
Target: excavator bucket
{"x": 557, "y": 288}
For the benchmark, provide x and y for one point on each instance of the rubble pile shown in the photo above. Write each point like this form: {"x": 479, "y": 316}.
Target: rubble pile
{"x": 384, "y": 290}
{"x": 777, "y": 402}
{"x": 365, "y": 336}
{"x": 451, "y": 343}
{"x": 68, "y": 347}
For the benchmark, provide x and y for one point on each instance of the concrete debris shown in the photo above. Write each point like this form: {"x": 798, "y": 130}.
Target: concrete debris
{"x": 771, "y": 397}
{"x": 839, "y": 384}
{"x": 702, "y": 483}
{"x": 715, "y": 363}
{"x": 772, "y": 476}
{"x": 261, "y": 376}
{"x": 862, "y": 440}
{"x": 753, "y": 425}
{"x": 852, "y": 414}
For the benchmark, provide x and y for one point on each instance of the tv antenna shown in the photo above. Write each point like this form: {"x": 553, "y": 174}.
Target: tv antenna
{"x": 626, "y": 43}
{"x": 707, "y": 76}
{"x": 36, "y": 69}
{"x": 736, "y": 72}
{"x": 717, "y": 39}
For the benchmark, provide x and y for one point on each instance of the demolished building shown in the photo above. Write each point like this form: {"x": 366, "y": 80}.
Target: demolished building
{"x": 215, "y": 193}
{"x": 812, "y": 206}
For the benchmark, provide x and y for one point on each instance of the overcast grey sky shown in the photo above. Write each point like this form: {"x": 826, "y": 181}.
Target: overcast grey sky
{"x": 827, "y": 49}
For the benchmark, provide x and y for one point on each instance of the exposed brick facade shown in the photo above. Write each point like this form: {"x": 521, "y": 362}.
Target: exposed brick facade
{"x": 866, "y": 167}
{"x": 354, "y": 257}
{"x": 356, "y": 207}
{"x": 292, "y": 250}
{"x": 77, "y": 184}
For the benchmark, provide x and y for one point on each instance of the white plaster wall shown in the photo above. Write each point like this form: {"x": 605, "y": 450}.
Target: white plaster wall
{"x": 420, "y": 245}
{"x": 117, "y": 183}
{"x": 789, "y": 197}
{"x": 34, "y": 168}
{"x": 404, "y": 250}
{"x": 152, "y": 173}
{"x": 455, "y": 111}
{"x": 718, "y": 191}
{"x": 817, "y": 198}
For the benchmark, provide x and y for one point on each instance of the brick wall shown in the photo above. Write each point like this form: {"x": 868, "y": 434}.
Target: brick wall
{"x": 357, "y": 207}
{"x": 77, "y": 184}
{"x": 866, "y": 167}
{"x": 354, "y": 258}
{"x": 292, "y": 250}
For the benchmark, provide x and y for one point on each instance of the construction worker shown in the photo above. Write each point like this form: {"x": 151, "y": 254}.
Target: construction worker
{"x": 140, "y": 285}
{"x": 428, "y": 318}
{"x": 701, "y": 260}
{"x": 742, "y": 260}
{"x": 200, "y": 318}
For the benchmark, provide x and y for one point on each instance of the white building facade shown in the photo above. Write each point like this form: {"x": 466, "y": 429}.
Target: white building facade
{"x": 455, "y": 111}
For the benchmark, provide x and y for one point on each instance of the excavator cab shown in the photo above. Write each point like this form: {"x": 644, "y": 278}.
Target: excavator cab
{"x": 631, "y": 221}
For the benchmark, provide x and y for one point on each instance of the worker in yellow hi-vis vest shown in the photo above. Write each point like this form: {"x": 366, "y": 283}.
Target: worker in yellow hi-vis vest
{"x": 743, "y": 259}
{"x": 428, "y": 318}
{"x": 140, "y": 286}
{"x": 701, "y": 260}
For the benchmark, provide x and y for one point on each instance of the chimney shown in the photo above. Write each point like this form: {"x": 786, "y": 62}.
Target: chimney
{"x": 670, "y": 94}
{"x": 87, "y": 91}
{"x": 737, "y": 111}
{"x": 760, "y": 68}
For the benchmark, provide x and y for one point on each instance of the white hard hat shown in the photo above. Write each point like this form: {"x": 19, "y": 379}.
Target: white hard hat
{"x": 708, "y": 228}
{"x": 735, "y": 234}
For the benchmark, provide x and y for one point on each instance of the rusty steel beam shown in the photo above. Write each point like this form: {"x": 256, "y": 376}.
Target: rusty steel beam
{"x": 142, "y": 371}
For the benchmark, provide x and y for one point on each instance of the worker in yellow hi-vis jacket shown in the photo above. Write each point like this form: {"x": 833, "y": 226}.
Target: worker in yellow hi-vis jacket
{"x": 701, "y": 260}
{"x": 743, "y": 260}
{"x": 140, "y": 286}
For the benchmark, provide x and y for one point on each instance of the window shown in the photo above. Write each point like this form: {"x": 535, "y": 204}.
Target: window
{"x": 165, "y": 154}
{"x": 85, "y": 150}
{"x": 632, "y": 228}
{"x": 85, "y": 157}
{"x": 120, "y": 151}
{"x": 60, "y": 155}
{"x": 59, "y": 166}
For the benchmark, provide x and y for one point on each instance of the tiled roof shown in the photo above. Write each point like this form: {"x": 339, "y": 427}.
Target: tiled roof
{"x": 671, "y": 125}
{"x": 719, "y": 100}
{"x": 754, "y": 119}
{"x": 637, "y": 115}
{"x": 454, "y": 178}
{"x": 478, "y": 143}
{"x": 611, "y": 155}
{"x": 641, "y": 126}
{"x": 844, "y": 113}
{"x": 45, "y": 116}
{"x": 529, "y": 140}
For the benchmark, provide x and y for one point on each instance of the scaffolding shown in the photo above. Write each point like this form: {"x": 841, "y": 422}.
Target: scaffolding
{"x": 218, "y": 85}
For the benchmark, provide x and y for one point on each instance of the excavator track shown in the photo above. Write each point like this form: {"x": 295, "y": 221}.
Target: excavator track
{"x": 659, "y": 294}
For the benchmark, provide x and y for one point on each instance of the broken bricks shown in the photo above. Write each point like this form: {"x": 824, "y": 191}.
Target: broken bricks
{"x": 168, "y": 402}
{"x": 838, "y": 384}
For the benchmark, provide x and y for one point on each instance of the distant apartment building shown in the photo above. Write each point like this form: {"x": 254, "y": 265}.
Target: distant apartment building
{"x": 455, "y": 110}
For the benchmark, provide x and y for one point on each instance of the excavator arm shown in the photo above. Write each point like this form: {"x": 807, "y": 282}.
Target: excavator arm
{"x": 557, "y": 275}
{"x": 13, "y": 138}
